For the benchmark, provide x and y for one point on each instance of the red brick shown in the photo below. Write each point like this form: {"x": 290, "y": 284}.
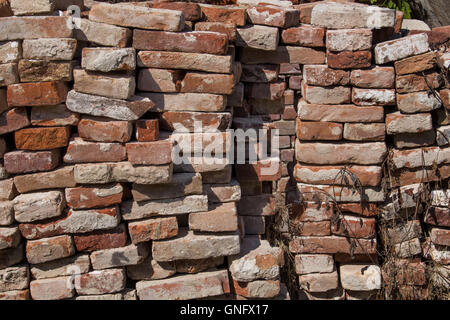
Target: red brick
{"x": 440, "y": 236}
{"x": 222, "y": 14}
{"x": 80, "y": 151}
{"x": 101, "y": 240}
{"x": 153, "y": 229}
{"x": 295, "y": 82}
{"x": 102, "y": 282}
{"x": 319, "y": 228}
{"x": 349, "y": 59}
{"x": 269, "y": 170}
{"x": 51, "y": 289}
{"x": 377, "y": 77}
{"x": 49, "y": 249}
{"x": 16, "y": 28}
{"x": 438, "y": 216}
{"x": 366, "y": 210}
{"x": 13, "y": 120}
{"x": 105, "y": 130}
{"x": 25, "y": 161}
{"x": 7, "y": 189}
{"x": 364, "y": 131}
{"x": 306, "y": 36}
{"x": 191, "y": 11}
{"x": 195, "y": 41}
{"x": 147, "y": 130}
{"x": 273, "y": 16}
{"x": 219, "y": 218}
{"x": 326, "y": 95}
{"x": 319, "y": 130}
{"x": 37, "y": 94}
{"x": 416, "y": 63}
{"x": 159, "y": 80}
{"x": 321, "y": 75}
{"x": 42, "y": 138}
{"x": 257, "y": 289}
{"x": 283, "y": 54}
{"x": 417, "y": 82}
{"x": 354, "y": 227}
{"x": 150, "y": 153}
{"x": 94, "y": 197}
{"x": 207, "y": 83}
{"x": 226, "y": 28}
{"x": 332, "y": 244}
{"x": 289, "y": 113}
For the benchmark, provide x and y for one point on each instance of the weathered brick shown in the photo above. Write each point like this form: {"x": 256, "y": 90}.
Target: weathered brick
{"x": 32, "y": 207}
{"x": 257, "y": 37}
{"x": 408, "y": 123}
{"x": 220, "y": 193}
{"x": 7, "y": 189}
{"x": 207, "y": 83}
{"x": 52, "y": 289}
{"x": 438, "y": 216}
{"x": 404, "y": 232}
{"x": 349, "y": 40}
{"x": 416, "y": 64}
{"x": 9, "y": 238}
{"x": 314, "y": 263}
{"x": 159, "y": 80}
{"x": 50, "y": 116}
{"x": 45, "y": 138}
{"x": 104, "y": 130}
{"x": 150, "y": 153}
{"x": 349, "y": 59}
{"x": 258, "y": 205}
{"x": 307, "y": 36}
{"x": 14, "y": 278}
{"x": 187, "y": 101}
{"x": 310, "y": 192}
{"x": 191, "y": 11}
{"x": 108, "y": 59}
{"x": 283, "y": 54}
{"x": 273, "y": 16}
{"x": 27, "y": 161}
{"x": 15, "y": 28}
{"x": 184, "y": 60}
{"x": 440, "y": 236}
{"x": 22, "y": 8}
{"x": 126, "y": 172}
{"x": 15, "y": 295}
{"x": 42, "y": 70}
{"x": 259, "y": 73}
{"x": 9, "y": 74}
{"x": 153, "y": 229}
{"x": 364, "y": 131}
{"x": 412, "y": 140}
{"x": 48, "y": 249}
{"x": 354, "y": 278}
{"x": 354, "y": 227}
{"x": 195, "y": 41}
{"x": 321, "y": 75}
{"x": 147, "y": 130}
{"x": 234, "y": 15}
{"x": 12, "y": 256}
{"x": 80, "y": 151}
{"x": 6, "y": 213}
{"x": 417, "y": 102}
{"x": 228, "y": 29}
{"x": 61, "y": 267}
{"x": 220, "y": 218}
{"x": 408, "y": 249}
{"x": 59, "y": 178}
{"x": 13, "y": 120}
{"x": 10, "y": 52}
{"x": 101, "y": 282}
{"x": 319, "y": 130}
{"x": 417, "y": 82}
{"x": 130, "y": 255}
{"x": 151, "y": 269}
{"x": 326, "y": 95}
{"x": 137, "y": 16}
{"x": 185, "y": 121}
{"x": 49, "y": 49}
{"x": 257, "y": 289}
{"x": 94, "y": 197}
{"x": 330, "y": 245}
{"x": 376, "y": 77}
{"x": 195, "y": 286}
{"x": 401, "y": 48}
{"x": 321, "y": 282}
{"x": 37, "y": 94}
{"x": 101, "y": 239}
{"x": 102, "y": 34}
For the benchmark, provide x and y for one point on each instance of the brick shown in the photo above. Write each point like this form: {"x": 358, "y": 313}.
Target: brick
{"x": 307, "y": 36}
{"x": 440, "y": 236}
{"x": 364, "y": 132}
{"x": 311, "y": 212}
{"x": 194, "y": 203}
{"x": 13, "y": 120}
{"x": 257, "y": 289}
{"x": 104, "y": 85}
{"x": 150, "y": 153}
{"x": 184, "y": 121}
{"x": 195, "y": 246}
{"x": 49, "y": 49}
{"x": 330, "y": 245}
{"x": 32, "y": 207}
{"x": 22, "y": 8}
{"x": 187, "y": 101}
{"x": 273, "y": 16}
{"x": 184, "y": 60}
{"x": 7, "y": 189}
{"x": 351, "y": 16}
{"x": 10, "y": 257}
{"x": 147, "y": 130}
{"x": 104, "y": 130}
{"x": 101, "y": 239}
{"x": 50, "y": 116}
{"x": 349, "y": 59}
{"x": 36, "y": 94}
{"x": 339, "y": 113}
{"x": 220, "y": 218}
{"x": 373, "y": 78}
{"x": 283, "y": 54}
{"x": 367, "y": 175}
{"x": 416, "y": 64}
{"x": 126, "y": 172}
{"x": 10, "y": 52}
{"x": 51, "y": 289}
{"x": 45, "y": 138}
{"x": 195, "y": 286}
{"x": 8, "y": 74}
{"x": 15, "y": 295}
{"x": 160, "y": 80}
{"x": 321, "y": 75}
{"x": 356, "y": 153}
{"x": 207, "y": 83}
{"x": 407, "y": 177}
{"x": 290, "y": 68}
{"x": 412, "y": 140}
{"x": 310, "y": 192}
{"x": 80, "y": 151}
{"x": 6, "y": 213}
{"x": 181, "y": 42}
{"x": 354, "y": 227}
{"x": 61, "y": 267}
{"x": 408, "y": 248}
{"x": 289, "y": 113}
{"x": 153, "y": 229}
{"x": 408, "y": 123}
{"x": 220, "y": 193}
{"x": 321, "y": 228}
{"x": 438, "y": 216}
{"x": 101, "y": 282}
{"x": 108, "y": 59}
{"x": 326, "y": 95}
{"x": 349, "y": 40}
{"x": 258, "y": 205}
{"x": 191, "y": 11}
{"x": 314, "y": 263}
{"x": 15, "y": 28}
{"x": 319, "y": 130}
{"x": 27, "y": 161}
{"x": 137, "y": 17}
{"x": 322, "y": 282}
{"x": 15, "y": 278}
{"x": 417, "y": 82}
{"x": 228, "y": 29}
{"x": 48, "y": 249}
{"x": 41, "y": 70}
{"x": 59, "y": 178}
{"x": 401, "y": 48}
{"x": 417, "y": 102}
{"x": 107, "y": 258}
{"x": 269, "y": 91}
{"x": 182, "y": 184}
{"x": 94, "y": 197}
{"x": 197, "y": 265}
{"x": 151, "y": 269}
{"x": 107, "y": 107}
{"x": 234, "y": 15}
{"x": 102, "y": 34}
{"x": 440, "y": 198}
{"x": 257, "y": 37}
{"x": 9, "y": 238}
{"x": 360, "y": 277}
{"x": 107, "y": 297}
